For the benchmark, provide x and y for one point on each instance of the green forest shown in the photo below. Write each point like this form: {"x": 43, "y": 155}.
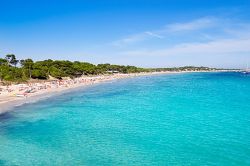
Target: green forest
{"x": 13, "y": 69}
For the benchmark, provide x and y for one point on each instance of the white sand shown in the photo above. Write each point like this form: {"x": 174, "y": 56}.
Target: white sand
{"x": 8, "y": 100}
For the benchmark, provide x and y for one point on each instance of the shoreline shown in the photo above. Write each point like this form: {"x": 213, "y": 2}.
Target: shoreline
{"x": 9, "y": 102}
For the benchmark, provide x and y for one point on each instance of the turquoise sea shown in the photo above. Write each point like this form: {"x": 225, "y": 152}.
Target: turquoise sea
{"x": 177, "y": 119}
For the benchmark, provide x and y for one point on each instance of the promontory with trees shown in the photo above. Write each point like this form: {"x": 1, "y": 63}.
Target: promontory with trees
{"x": 15, "y": 70}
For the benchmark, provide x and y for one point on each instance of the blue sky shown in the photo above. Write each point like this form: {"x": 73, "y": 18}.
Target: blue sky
{"x": 145, "y": 33}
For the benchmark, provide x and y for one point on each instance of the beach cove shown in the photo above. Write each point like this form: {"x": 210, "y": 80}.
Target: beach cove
{"x": 125, "y": 83}
{"x": 15, "y": 95}
{"x": 165, "y": 119}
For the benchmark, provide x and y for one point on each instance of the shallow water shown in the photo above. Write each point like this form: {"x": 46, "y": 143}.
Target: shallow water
{"x": 178, "y": 119}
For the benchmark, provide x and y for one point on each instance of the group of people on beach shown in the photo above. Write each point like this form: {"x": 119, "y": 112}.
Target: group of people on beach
{"x": 23, "y": 90}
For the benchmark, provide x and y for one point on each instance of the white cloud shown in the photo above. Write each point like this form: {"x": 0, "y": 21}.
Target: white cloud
{"x": 192, "y": 25}
{"x": 137, "y": 38}
{"x": 198, "y": 24}
{"x": 201, "y": 41}
{"x": 130, "y": 39}
{"x": 210, "y": 48}
{"x": 154, "y": 35}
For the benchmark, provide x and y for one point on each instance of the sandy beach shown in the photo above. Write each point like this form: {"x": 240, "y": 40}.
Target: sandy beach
{"x": 19, "y": 94}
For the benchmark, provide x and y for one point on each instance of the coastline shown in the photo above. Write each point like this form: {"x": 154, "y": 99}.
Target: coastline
{"x": 9, "y": 102}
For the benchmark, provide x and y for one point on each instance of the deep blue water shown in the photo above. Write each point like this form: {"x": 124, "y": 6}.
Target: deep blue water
{"x": 179, "y": 119}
